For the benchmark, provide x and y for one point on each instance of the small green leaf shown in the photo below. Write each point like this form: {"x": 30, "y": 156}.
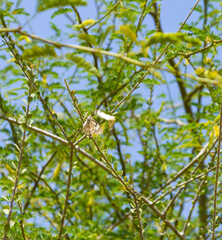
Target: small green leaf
{"x": 88, "y": 38}
{"x": 145, "y": 224}
{"x": 125, "y": 179}
{"x": 24, "y": 108}
{"x": 82, "y": 63}
{"x": 115, "y": 165}
{"x": 36, "y": 51}
{"x": 173, "y": 38}
{"x": 24, "y": 37}
{"x": 12, "y": 223}
{"x": 85, "y": 23}
{"x": 6, "y": 211}
{"x": 125, "y": 29}
{"x": 61, "y": 11}
{"x": 10, "y": 178}
{"x": 164, "y": 166}
{"x": 109, "y": 158}
{"x": 29, "y": 99}
{"x": 44, "y": 5}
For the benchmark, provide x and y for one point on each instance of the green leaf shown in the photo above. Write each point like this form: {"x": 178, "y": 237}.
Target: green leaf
{"x": 125, "y": 179}
{"x": 88, "y": 38}
{"x": 125, "y": 29}
{"x": 173, "y": 38}
{"x": 61, "y": 11}
{"x": 20, "y": 11}
{"x": 109, "y": 158}
{"x": 36, "y": 51}
{"x": 44, "y": 5}
{"x": 82, "y": 63}
{"x": 24, "y": 37}
{"x": 103, "y": 36}
{"x": 115, "y": 165}
{"x": 6, "y": 211}
{"x": 85, "y": 23}
{"x": 12, "y": 223}
{"x": 24, "y": 108}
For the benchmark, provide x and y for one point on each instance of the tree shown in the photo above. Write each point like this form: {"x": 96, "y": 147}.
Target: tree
{"x": 93, "y": 142}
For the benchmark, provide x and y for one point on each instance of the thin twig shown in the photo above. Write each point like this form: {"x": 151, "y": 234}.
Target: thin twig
{"x": 24, "y": 70}
{"x": 67, "y": 191}
{"x": 74, "y": 101}
{"x": 131, "y": 42}
{"x": 73, "y": 46}
{"x": 37, "y": 181}
{"x": 217, "y": 174}
{"x": 136, "y": 205}
{"x": 112, "y": 94}
{"x": 110, "y": 228}
{"x": 152, "y": 64}
{"x": 51, "y": 190}
{"x": 161, "y": 215}
{"x": 203, "y": 151}
{"x": 21, "y": 222}
{"x": 200, "y": 50}
{"x": 173, "y": 200}
{"x": 119, "y": 151}
{"x": 110, "y": 171}
{"x": 63, "y": 141}
{"x": 183, "y": 184}
{"x": 132, "y": 191}
{"x": 99, "y": 20}
{"x": 177, "y": 121}
{"x": 193, "y": 205}
{"x": 22, "y": 148}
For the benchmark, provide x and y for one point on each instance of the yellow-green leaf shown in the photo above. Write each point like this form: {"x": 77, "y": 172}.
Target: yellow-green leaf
{"x": 84, "y": 23}
{"x": 21, "y": 186}
{"x": 44, "y": 5}
{"x": 88, "y": 22}
{"x": 200, "y": 71}
{"x": 156, "y": 74}
{"x": 88, "y": 38}
{"x": 216, "y": 130}
{"x": 36, "y": 51}
{"x": 170, "y": 38}
{"x": 6, "y": 211}
{"x": 82, "y": 63}
{"x": 217, "y": 118}
{"x": 10, "y": 170}
{"x": 24, "y": 37}
{"x": 57, "y": 170}
{"x": 164, "y": 166}
{"x": 190, "y": 144}
{"x": 125, "y": 29}
{"x": 44, "y": 79}
{"x": 211, "y": 138}
{"x": 90, "y": 200}
{"x": 11, "y": 60}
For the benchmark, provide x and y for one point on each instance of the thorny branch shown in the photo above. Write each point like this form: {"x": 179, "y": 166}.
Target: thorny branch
{"x": 217, "y": 173}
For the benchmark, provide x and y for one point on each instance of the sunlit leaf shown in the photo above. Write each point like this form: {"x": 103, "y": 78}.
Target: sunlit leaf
{"x": 82, "y": 63}
{"x": 36, "y": 51}
{"x": 126, "y": 30}
{"x": 44, "y": 5}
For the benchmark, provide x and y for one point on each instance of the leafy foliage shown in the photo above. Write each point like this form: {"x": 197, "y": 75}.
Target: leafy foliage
{"x": 36, "y": 51}
{"x": 82, "y": 63}
{"x": 44, "y": 5}
{"x": 148, "y": 166}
